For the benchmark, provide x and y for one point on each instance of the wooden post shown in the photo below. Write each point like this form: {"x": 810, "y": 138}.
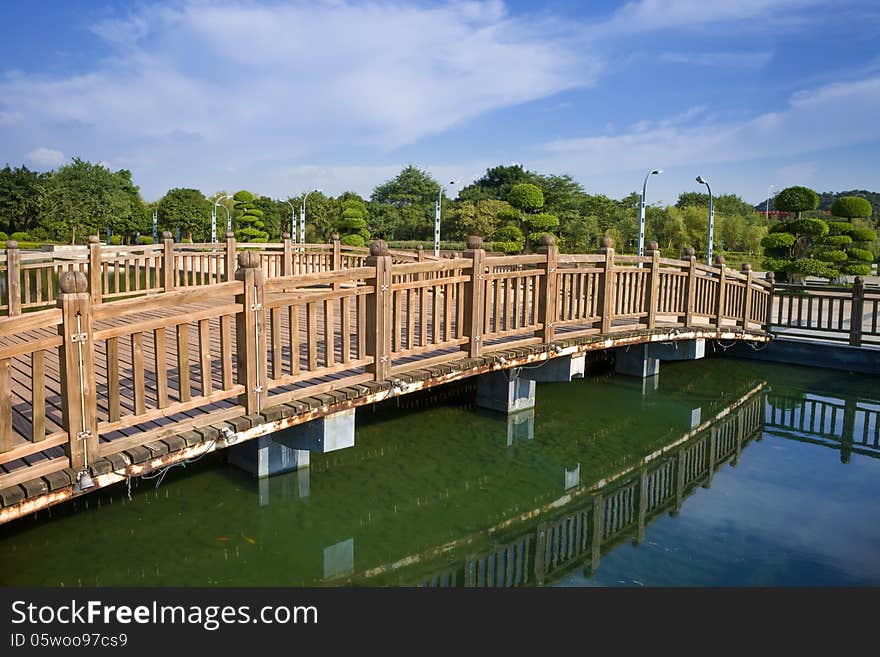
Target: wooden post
{"x": 606, "y": 288}
{"x": 336, "y": 259}
{"x": 95, "y": 268}
{"x": 169, "y": 271}
{"x": 747, "y": 296}
{"x": 643, "y": 506}
{"x": 540, "y": 559}
{"x": 691, "y": 301}
{"x": 250, "y": 333}
{"x": 653, "y": 288}
{"x": 420, "y": 253}
{"x": 768, "y": 321}
{"x": 287, "y": 259}
{"x": 474, "y": 291}
{"x": 719, "y": 299}
{"x": 857, "y": 311}
{"x": 77, "y": 369}
{"x": 547, "y": 301}
{"x": 13, "y": 278}
{"x": 230, "y": 256}
{"x": 336, "y": 262}
{"x": 378, "y": 315}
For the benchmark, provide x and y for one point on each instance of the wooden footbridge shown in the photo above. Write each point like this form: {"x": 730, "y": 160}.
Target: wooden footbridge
{"x": 118, "y": 361}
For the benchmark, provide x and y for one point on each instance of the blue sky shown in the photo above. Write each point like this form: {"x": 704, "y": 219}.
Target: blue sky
{"x": 280, "y": 97}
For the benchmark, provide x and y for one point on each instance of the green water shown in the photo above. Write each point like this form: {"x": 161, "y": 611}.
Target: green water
{"x": 453, "y": 495}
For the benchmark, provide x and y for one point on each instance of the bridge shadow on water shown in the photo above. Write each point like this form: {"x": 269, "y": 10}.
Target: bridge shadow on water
{"x": 438, "y": 493}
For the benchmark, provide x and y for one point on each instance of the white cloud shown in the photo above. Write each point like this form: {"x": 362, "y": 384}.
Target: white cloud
{"x": 828, "y": 117}
{"x": 748, "y": 60}
{"x": 44, "y": 157}
{"x": 271, "y": 85}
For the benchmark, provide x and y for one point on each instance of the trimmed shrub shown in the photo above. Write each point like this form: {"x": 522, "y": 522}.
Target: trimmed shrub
{"x": 20, "y": 236}
{"x": 778, "y": 241}
{"x": 796, "y": 199}
{"x": 526, "y": 197}
{"x": 115, "y": 240}
{"x": 837, "y": 240}
{"x": 541, "y": 223}
{"x": 811, "y": 267}
{"x": 862, "y": 255}
{"x": 851, "y": 207}
{"x": 831, "y": 255}
{"x": 3, "y": 236}
{"x": 243, "y": 196}
{"x": 776, "y": 265}
{"x": 815, "y": 228}
{"x": 145, "y": 239}
{"x": 352, "y": 240}
{"x": 862, "y": 234}
{"x": 856, "y": 269}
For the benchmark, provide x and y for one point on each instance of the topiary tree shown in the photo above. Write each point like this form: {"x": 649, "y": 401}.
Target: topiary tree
{"x": 796, "y": 199}
{"x": 508, "y": 239}
{"x": 851, "y": 207}
{"x": 797, "y": 248}
{"x": 249, "y": 219}
{"x": 528, "y": 199}
{"x": 855, "y": 242}
{"x": 353, "y": 224}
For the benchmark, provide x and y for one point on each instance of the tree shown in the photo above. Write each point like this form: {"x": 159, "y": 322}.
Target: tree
{"x": 851, "y": 207}
{"x": 497, "y": 182}
{"x": 21, "y": 198}
{"x": 83, "y": 198}
{"x": 187, "y": 210}
{"x": 276, "y": 216}
{"x": 796, "y": 199}
{"x": 249, "y": 218}
{"x": 479, "y": 218}
{"x": 798, "y": 248}
{"x": 412, "y": 193}
{"x": 691, "y": 199}
{"x": 353, "y": 223}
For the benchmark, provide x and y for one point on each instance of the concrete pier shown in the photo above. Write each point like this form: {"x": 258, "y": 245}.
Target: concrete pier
{"x": 643, "y": 360}
{"x": 326, "y": 434}
{"x": 263, "y": 457}
{"x": 559, "y": 369}
{"x": 506, "y": 392}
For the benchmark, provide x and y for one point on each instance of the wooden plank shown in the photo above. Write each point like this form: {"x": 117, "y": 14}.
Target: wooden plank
{"x": 38, "y": 385}
{"x": 183, "y": 362}
{"x": 329, "y": 334}
{"x": 311, "y": 337}
{"x": 6, "y": 432}
{"x": 205, "y": 357}
{"x": 346, "y": 329}
{"x": 113, "y": 378}
{"x": 275, "y": 325}
{"x": 161, "y": 367}
{"x": 226, "y": 350}
{"x": 137, "y": 357}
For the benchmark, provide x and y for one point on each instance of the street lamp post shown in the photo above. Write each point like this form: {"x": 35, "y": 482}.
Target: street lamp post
{"x": 302, "y": 216}
{"x": 292, "y": 220}
{"x": 437, "y": 209}
{"x": 705, "y": 182}
{"x": 767, "y": 209}
{"x": 654, "y": 172}
{"x": 214, "y": 218}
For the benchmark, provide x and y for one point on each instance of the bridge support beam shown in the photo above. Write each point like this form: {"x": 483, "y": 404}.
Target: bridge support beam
{"x": 505, "y": 391}
{"x": 264, "y": 457}
{"x": 636, "y": 361}
{"x": 559, "y": 369}
{"x": 678, "y": 350}
{"x": 326, "y": 434}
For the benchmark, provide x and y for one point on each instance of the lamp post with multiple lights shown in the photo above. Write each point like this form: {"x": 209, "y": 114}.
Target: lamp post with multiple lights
{"x": 302, "y": 216}
{"x": 654, "y": 172}
{"x": 705, "y": 182}
{"x": 292, "y": 220}
{"x": 214, "y": 218}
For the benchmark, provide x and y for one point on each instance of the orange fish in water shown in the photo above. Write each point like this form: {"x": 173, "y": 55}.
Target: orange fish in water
{"x": 223, "y": 538}
{"x": 249, "y": 539}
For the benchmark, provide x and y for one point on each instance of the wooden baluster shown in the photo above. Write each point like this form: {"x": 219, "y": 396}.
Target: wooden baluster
{"x": 857, "y": 311}
{"x": 722, "y": 292}
{"x": 226, "y": 350}
{"x": 13, "y": 278}
{"x": 747, "y": 295}
{"x": 38, "y": 405}
{"x": 112, "y": 357}
{"x": 768, "y": 319}
{"x": 549, "y": 292}
{"x": 230, "y": 257}
{"x": 474, "y": 289}
{"x": 652, "y": 295}
{"x": 606, "y": 287}
{"x": 336, "y": 259}
{"x": 378, "y": 312}
{"x": 77, "y": 369}
{"x": 287, "y": 257}
{"x": 205, "y": 357}
{"x": 168, "y": 265}
{"x": 183, "y": 361}
{"x": 250, "y": 334}
{"x": 691, "y": 293}
{"x": 6, "y": 431}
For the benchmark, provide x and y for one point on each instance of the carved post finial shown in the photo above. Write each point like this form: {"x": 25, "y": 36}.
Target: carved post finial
{"x": 248, "y": 259}
{"x": 719, "y": 260}
{"x": 229, "y": 234}
{"x": 746, "y": 267}
{"x": 285, "y": 236}
{"x": 379, "y": 248}
{"x": 651, "y": 246}
{"x": 73, "y": 282}
{"x": 11, "y": 244}
{"x": 94, "y": 239}
{"x": 688, "y": 252}
{"x": 334, "y": 237}
{"x": 474, "y": 242}
{"x": 166, "y": 235}
{"x": 605, "y": 243}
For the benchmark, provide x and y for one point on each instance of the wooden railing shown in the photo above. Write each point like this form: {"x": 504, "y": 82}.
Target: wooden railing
{"x": 830, "y": 313}
{"x": 99, "y": 378}
{"x": 29, "y": 280}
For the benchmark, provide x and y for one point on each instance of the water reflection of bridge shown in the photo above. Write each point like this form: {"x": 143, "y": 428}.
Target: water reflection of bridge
{"x": 590, "y": 520}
